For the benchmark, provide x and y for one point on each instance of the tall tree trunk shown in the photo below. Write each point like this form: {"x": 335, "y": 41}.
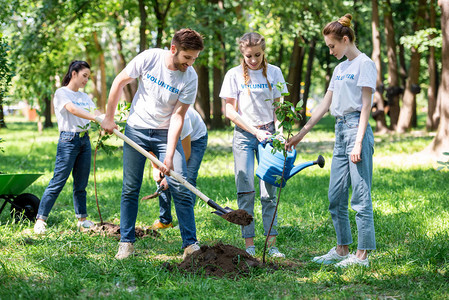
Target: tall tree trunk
{"x": 143, "y": 26}
{"x": 203, "y": 103}
{"x": 432, "y": 91}
{"x": 101, "y": 104}
{"x": 2, "y": 115}
{"x": 130, "y": 89}
{"x": 440, "y": 143}
{"x": 161, "y": 17}
{"x": 379, "y": 112}
{"x": 47, "y": 112}
{"x": 308, "y": 80}
{"x": 393, "y": 90}
{"x": 218, "y": 68}
{"x": 408, "y": 109}
{"x": 295, "y": 71}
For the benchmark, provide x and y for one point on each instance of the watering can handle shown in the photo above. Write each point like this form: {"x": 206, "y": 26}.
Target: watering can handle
{"x": 156, "y": 161}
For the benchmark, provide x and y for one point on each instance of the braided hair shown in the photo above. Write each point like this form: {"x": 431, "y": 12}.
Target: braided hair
{"x": 252, "y": 39}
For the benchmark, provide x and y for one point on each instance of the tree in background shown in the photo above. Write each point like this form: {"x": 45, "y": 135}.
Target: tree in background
{"x": 440, "y": 143}
{"x": 6, "y": 74}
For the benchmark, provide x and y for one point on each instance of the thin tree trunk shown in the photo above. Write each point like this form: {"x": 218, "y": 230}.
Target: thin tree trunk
{"x": 130, "y": 89}
{"x": 295, "y": 71}
{"x": 47, "y": 113}
{"x": 408, "y": 111}
{"x": 2, "y": 115}
{"x": 101, "y": 104}
{"x": 218, "y": 69}
{"x": 161, "y": 17}
{"x": 432, "y": 91}
{"x": 379, "y": 112}
{"x": 440, "y": 143}
{"x": 203, "y": 103}
{"x": 393, "y": 90}
{"x": 143, "y": 26}
{"x": 308, "y": 80}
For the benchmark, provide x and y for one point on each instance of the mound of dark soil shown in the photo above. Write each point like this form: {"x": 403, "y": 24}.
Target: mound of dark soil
{"x": 219, "y": 260}
{"x": 110, "y": 229}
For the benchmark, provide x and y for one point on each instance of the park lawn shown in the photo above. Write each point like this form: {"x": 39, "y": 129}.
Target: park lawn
{"x": 411, "y": 211}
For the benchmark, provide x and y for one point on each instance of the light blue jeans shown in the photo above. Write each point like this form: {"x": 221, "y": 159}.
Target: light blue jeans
{"x": 73, "y": 155}
{"x": 197, "y": 147}
{"x": 344, "y": 174}
{"x": 154, "y": 140}
{"x": 245, "y": 148}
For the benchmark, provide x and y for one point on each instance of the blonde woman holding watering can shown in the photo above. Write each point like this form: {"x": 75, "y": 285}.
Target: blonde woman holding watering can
{"x": 246, "y": 89}
{"x": 349, "y": 98}
{"x": 73, "y": 154}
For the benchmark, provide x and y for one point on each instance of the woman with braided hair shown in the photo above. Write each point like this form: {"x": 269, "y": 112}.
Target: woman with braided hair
{"x": 246, "y": 89}
{"x": 349, "y": 98}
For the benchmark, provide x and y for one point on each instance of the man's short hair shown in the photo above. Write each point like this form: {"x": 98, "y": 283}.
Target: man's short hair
{"x": 188, "y": 39}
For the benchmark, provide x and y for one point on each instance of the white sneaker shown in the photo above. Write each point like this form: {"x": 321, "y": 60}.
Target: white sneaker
{"x": 329, "y": 258}
{"x": 85, "y": 224}
{"x": 251, "y": 250}
{"x": 124, "y": 250}
{"x": 353, "y": 260}
{"x": 190, "y": 249}
{"x": 40, "y": 227}
{"x": 274, "y": 252}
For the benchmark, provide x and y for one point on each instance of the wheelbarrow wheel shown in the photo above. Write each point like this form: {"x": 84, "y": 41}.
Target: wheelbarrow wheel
{"x": 25, "y": 206}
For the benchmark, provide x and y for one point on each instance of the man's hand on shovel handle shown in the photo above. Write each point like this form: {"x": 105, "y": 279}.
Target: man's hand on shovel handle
{"x": 168, "y": 165}
{"x": 108, "y": 125}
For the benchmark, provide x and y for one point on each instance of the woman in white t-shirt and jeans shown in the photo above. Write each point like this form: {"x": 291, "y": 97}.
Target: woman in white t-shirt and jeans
{"x": 246, "y": 89}
{"x": 349, "y": 98}
{"x": 73, "y": 153}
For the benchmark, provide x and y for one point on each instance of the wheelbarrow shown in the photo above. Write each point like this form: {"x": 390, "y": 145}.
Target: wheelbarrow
{"x": 23, "y": 205}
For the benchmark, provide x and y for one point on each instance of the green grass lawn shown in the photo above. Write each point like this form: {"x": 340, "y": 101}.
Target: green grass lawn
{"x": 411, "y": 210}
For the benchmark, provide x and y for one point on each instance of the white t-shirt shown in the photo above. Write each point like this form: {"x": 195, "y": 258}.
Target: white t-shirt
{"x": 193, "y": 125}
{"x": 253, "y": 107}
{"x": 66, "y": 120}
{"x": 347, "y": 81}
{"x": 159, "y": 89}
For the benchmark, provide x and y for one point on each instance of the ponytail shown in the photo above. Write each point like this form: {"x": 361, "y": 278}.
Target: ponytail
{"x": 76, "y": 65}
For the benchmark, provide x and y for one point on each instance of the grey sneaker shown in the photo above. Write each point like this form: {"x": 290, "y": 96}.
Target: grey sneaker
{"x": 124, "y": 250}
{"x": 85, "y": 224}
{"x": 190, "y": 249}
{"x": 251, "y": 250}
{"x": 40, "y": 227}
{"x": 353, "y": 260}
{"x": 274, "y": 252}
{"x": 329, "y": 258}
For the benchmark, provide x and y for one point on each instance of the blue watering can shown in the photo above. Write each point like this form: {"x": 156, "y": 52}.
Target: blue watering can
{"x": 271, "y": 165}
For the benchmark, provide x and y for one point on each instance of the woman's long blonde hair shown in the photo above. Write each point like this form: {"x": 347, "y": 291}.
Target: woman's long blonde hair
{"x": 252, "y": 39}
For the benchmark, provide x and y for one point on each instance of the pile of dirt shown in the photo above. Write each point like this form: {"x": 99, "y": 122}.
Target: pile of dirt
{"x": 113, "y": 230}
{"x": 219, "y": 260}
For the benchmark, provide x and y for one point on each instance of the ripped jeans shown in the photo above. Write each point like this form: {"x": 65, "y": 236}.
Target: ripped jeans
{"x": 245, "y": 148}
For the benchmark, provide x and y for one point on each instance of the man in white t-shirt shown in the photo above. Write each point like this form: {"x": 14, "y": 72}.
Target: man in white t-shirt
{"x": 167, "y": 87}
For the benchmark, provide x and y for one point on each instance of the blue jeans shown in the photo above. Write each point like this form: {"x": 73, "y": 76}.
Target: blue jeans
{"x": 197, "y": 149}
{"x": 154, "y": 140}
{"x": 345, "y": 173}
{"x": 73, "y": 155}
{"x": 245, "y": 148}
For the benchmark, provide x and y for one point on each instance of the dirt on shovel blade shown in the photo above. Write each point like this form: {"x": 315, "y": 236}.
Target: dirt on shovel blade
{"x": 239, "y": 217}
{"x": 219, "y": 260}
{"x": 110, "y": 229}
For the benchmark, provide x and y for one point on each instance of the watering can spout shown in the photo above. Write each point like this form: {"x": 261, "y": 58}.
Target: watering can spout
{"x": 320, "y": 161}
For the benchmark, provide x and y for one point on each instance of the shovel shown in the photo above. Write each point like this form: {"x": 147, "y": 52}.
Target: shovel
{"x": 239, "y": 217}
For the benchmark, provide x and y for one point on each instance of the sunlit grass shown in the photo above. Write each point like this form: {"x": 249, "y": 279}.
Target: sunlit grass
{"x": 410, "y": 200}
